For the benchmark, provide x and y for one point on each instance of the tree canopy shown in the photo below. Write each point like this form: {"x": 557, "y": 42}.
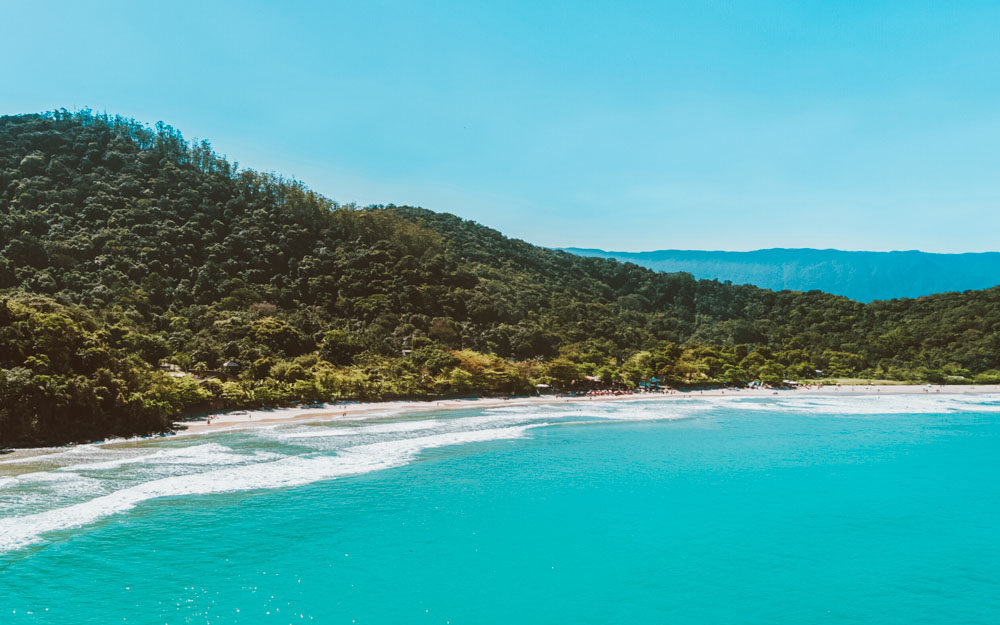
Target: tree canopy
{"x": 124, "y": 247}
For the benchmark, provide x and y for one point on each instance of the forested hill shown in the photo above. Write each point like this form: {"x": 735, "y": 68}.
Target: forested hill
{"x": 863, "y": 276}
{"x": 142, "y": 277}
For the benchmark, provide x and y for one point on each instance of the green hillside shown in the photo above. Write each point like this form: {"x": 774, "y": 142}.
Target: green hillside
{"x": 125, "y": 248}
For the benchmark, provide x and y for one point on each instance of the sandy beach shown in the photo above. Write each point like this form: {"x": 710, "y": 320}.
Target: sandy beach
{"x": 351, "y": 411}
{"x": 356, "y": 410}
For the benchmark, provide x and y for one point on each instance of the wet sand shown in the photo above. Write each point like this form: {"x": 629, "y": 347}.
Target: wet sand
{"x": 355, "y": 410}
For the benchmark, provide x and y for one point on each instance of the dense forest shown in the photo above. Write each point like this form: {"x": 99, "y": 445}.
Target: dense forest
{"x": 143, "y": 277}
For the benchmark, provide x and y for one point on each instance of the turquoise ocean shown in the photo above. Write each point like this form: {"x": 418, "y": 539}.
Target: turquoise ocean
{"x": 796, "y": 509}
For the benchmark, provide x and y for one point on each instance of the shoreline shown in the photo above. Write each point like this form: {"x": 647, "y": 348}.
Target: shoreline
{"x": 241, "y": 419}
{"x": 356, "y": 411}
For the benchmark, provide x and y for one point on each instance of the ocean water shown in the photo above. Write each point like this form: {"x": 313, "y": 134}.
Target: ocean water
{"x": 796, "y": 509}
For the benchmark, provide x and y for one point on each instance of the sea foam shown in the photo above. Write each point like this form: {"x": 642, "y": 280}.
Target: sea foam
{"x": 200, "y": 455}
{"x": 77, "y": 486}
{"x": 379, "y": 428}
{"x": 20, "y": 531}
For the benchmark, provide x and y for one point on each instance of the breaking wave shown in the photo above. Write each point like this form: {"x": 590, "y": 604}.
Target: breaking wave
{"x": 57, "y": 490}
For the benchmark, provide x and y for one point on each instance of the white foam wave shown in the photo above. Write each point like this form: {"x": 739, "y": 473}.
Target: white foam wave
{"x": 834, "y": 403}
{"x": 888, "y": 404}
{"x": 621, "y": 410}
{"x": 55, "y": 485}
{"x": 378, "y": 428}
{"x": 207, "y": 454}
{"x": 54, "y": 455}
{"x": 151, "y": 471}
{"x": 16, "y": 532}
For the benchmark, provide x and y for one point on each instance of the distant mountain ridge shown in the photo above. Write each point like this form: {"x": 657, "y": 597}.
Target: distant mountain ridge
{"x": 861, "y": 276}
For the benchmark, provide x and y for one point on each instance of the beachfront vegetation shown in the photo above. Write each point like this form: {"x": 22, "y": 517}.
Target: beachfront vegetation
{"x": 143, "y": 276}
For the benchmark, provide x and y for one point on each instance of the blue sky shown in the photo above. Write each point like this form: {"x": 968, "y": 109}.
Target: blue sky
{"x": 629, "y": 126}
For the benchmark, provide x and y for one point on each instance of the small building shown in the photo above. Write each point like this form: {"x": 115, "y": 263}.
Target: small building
{"x": 591, "y": 382}
{"x": 231, "y": 367}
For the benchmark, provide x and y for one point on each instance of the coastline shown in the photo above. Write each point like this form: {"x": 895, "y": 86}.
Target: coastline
{"x": 353, "y": 411}
{"x": 349, "y": 411}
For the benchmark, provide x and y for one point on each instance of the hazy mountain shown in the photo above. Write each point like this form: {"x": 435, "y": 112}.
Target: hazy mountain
{"x": 863, "y": 276}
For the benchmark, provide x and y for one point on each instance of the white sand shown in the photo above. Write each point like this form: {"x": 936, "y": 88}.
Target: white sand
{"x": 348, "y": 411}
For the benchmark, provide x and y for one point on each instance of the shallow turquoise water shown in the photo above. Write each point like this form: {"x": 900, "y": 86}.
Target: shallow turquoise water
{"x": 847, "y": 510}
